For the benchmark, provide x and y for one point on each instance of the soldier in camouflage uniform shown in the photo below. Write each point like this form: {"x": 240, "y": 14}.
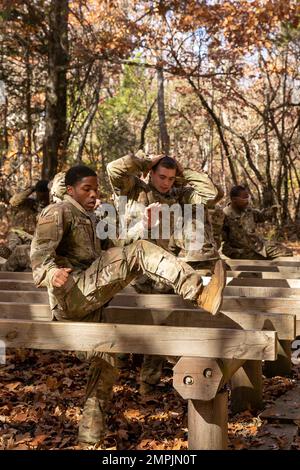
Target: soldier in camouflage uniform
{"x": 166, "y": 186}
{"x": 208, "y": 255}
{"x": 24, "y": 214}
{"x": 66, "y": 258}
{"x": 240, "y": 240}
{"x": 217, "y": 220}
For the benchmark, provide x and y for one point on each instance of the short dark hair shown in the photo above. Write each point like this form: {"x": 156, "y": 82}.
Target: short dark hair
{"x": 236, "y": 191}
{"x": 42, "y": 186}
{"x": 166, "y": 162}
{"x": 77, "y": 173}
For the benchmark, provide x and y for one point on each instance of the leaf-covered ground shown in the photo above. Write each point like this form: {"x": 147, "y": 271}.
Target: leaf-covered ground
{"x": 42, "y": 395}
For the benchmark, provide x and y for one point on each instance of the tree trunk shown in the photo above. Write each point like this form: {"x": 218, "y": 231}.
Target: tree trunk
{"x": 54, "y": 143}
{"x": 163, "y": 131}
{"x": 89, "y": 119}
{"x": 28, "y": 114}
{"x": 145, "y": 124}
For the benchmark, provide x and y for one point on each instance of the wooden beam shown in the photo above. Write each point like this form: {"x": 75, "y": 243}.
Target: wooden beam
{"x": 262, "y": 262}
{"x": 26, "y": 276}
{"x": 25, "y": 311}
{"x": 255, "y": 282}
{"x": 246, "y": 387}
{"x": 284, "y": 324}
{"x": 140, "y": 339}
{"x": 165, "y": 301}
{"x": 249, "y": 291}
{"x": 22, "y": 285}
{"x": 270, "y": 272}
{"x": 229, "y": 302}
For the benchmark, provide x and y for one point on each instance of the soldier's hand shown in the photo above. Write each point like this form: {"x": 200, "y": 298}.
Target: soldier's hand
{"x": 60, "y": 277}
{"x": 151, "y": 215}
{"x": 180, "y": 168}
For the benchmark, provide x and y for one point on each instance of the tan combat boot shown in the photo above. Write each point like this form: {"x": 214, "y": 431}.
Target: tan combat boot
{"x": 211, "y": 296}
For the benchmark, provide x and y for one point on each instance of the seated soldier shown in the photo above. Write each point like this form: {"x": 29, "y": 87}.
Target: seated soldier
{"x": 240, "y": 240}
{"x": 66, "y": 257}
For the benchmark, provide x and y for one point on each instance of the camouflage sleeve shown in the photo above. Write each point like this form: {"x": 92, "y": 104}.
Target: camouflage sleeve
{"x": 211, "y": 204}
{"x": 199, "y": 190}
{"x": 123, "y": 172}
{"x": 263, "y": 215}
{"x": 225, "y": 230}
{"x": 19, "y": 198}
{"x": 51, "y": 226}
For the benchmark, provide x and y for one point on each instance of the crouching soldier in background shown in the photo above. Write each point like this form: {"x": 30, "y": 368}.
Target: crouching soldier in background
{"x": 25, "y": 210}
{"x": 240, "y": 240}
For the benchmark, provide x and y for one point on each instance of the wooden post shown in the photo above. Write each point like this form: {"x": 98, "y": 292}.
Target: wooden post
{"x": 207, "y": 423}
{"x": 283, "y": 364}
{"x": 246, "y": 387}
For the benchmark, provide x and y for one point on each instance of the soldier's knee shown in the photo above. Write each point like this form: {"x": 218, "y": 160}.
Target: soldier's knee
{"x": 143, "y": 244}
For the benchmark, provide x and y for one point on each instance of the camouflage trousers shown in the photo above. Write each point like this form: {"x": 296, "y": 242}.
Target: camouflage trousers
{"x": 85, "y": 292}
{"x": 82, "y": 297}
{"x": 271, "y": 250}
{"x": 152, "y": 366}
{"x": 100, "y": 380}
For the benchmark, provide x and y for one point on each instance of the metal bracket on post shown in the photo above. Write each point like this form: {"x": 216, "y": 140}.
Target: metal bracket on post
{"x": 197, "y": 378}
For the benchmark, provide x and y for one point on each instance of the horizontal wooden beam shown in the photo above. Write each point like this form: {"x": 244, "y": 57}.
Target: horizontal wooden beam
{"x": 263, "y": 268}
{"x": 140, "y": 339}
{"x": 263, "y": 262}
{"x": 26, "y": 276}
{"x": 40, "y": 296}
{"x": 229, "y": 303}
{"x": 25, "y": 285}
{"x": 250, "y": 271}
{"x": 253, "y": 291}
{"x": 284, "y": 324}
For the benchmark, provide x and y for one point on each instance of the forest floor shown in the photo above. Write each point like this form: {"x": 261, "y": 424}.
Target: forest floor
{"x": 43, "y": 392}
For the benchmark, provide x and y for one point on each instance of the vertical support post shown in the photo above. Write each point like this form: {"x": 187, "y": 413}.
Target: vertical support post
{"x": 207, "y": 423}
{"x": 283, "y": 365}
{"x": 246, "y": 387}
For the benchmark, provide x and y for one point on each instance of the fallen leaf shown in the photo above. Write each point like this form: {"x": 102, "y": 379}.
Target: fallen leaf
{"x": 38, "y": 440}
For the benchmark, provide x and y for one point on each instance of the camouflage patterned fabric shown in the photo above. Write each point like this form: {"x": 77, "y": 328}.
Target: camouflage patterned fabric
{"x": 191, "y": 188}
{"x": 57, "y": 187}
{"x": 66, "y": 237}
{"x": 24, "y": 214}
{"x": 217, "y": 217}
{"x": 24, "y": 211}
{"x": 19, "y": 260}
{"x": 240, "y": 240}
{"x": 5, "y": 252}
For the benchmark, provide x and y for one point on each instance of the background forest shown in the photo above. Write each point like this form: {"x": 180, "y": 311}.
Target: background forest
{"x": 215, "y": 83}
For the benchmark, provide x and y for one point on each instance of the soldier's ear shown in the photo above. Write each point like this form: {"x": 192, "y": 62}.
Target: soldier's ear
{"x": 70, "y": 190}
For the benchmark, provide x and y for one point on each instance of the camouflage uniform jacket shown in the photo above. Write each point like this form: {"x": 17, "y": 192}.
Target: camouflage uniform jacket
{"x": 124, "y": 175}
{"x": 65, "y": 237}
{"x": 239, "y": 231}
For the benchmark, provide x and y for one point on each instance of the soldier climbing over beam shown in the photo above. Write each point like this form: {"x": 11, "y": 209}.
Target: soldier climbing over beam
{"x": 66, "y": 257}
